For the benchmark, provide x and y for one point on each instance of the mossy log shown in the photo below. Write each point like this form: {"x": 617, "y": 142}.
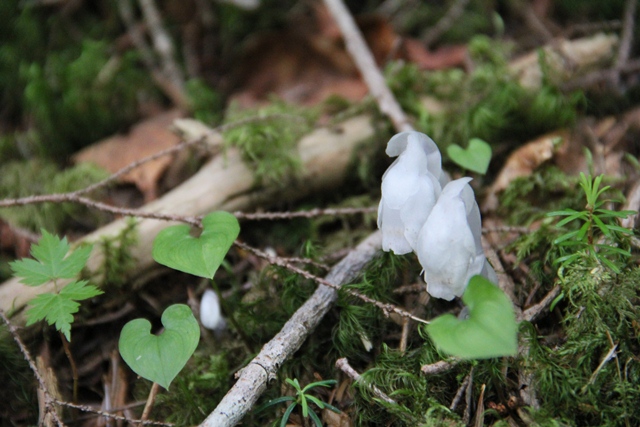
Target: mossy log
{"x": 224, "y": 183}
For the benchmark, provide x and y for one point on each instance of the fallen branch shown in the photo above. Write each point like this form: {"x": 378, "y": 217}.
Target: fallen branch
{"x": 362, "y": 56}
{"x": 253, "y": 379}
{"x": 225, "y": 183}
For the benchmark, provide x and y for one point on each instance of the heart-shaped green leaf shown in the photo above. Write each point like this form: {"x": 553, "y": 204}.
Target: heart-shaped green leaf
{"x": 159, "y": 358}
{"x": 490, "y": 331}
{"x": 200, "y": 256}
{"x": 475, "y": 158}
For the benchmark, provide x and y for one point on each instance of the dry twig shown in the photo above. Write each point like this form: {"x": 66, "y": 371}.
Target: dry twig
{"x": 366, "y": 64}
{"x": 253, "y": 379}
{"x": 344, "y": 366}
{"x": 448, "y": 19}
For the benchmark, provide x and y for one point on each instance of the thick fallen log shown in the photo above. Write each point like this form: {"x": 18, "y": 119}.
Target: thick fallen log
{"x": 224, "y": 183}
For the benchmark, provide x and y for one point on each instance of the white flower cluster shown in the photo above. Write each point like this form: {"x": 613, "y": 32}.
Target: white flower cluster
{"x": 421, "y": 211}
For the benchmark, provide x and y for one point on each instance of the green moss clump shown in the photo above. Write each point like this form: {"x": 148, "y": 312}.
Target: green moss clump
{"x": 487, "y": 103}
{"x": 269, "y": 145}
{"x": 529, "y": 198}
{"x": 118, "y": 260}
{"x": 576, "y": 381}
{"x": 34, "y": 177}
{"x": 78, "y": 97}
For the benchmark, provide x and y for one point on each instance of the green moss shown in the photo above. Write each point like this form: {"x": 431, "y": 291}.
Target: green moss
{"x": 269, "y": 146}
{"x": 206, "y": 103}
{"x": 196, "y": 391}
{"x": 118, "y": 260}
{"x": 573, "y": 382}
{"x": 487, "y": 103}
{"x": 34, "y": 177}
{"x": 18, "y": 392}
{"x": 529, "y": 198}
{"x": 79, "y": 96}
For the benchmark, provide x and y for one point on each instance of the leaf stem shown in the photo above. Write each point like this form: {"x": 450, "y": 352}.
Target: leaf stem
{"x": 74, "y": 368}
{"x": 150, "y": 399}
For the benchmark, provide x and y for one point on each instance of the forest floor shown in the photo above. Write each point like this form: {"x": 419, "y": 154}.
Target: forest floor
{"x": 122, "y": 119}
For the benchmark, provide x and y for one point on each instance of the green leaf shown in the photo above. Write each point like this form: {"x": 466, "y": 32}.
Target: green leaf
{"x": 316, "y": 419}
{"x": 287, "y": 414}
{"x": 490, "y": 331}
{"x": 80, "y": 291}
{"x": 159, "y": 358}
{"x": 51, "y": 261}
{"x": 475, "y": 158}
{"x": 319, "y": 403}
{"x": 59, "y": 308}
{"x": 578, "y": 215}
{"x": 200, "y": 256}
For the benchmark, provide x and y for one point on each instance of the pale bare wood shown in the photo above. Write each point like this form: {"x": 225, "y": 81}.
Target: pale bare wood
{"x": 224, "y": 183}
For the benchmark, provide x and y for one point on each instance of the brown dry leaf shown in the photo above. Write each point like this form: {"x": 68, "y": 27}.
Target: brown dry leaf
{"x": 523, "y": 162}
{"x": 16, "y": 239}
{"x": 446, "y": 57}
{"x": 333, "y": 419}
{"x": 307, "y": 63}
{"x": 144, "y": 139}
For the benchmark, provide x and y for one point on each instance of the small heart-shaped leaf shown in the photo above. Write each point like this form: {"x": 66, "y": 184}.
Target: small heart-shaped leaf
{"x": 475, "y": 158}
{"x": 159, "y": 358}
{"x": 200, "y": 256}
{"x": 490, "y": 331}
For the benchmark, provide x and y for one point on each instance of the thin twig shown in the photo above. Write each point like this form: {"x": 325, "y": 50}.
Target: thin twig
{"x": 175, "y": 93}
{"x": 150, "y": 400}
{"x": 440, "y": 366}
{"x": 444, "y": 23}
{"x": 626, "y": 39}
{"x": 387, "y": 309}
{"x": 49, "y": 400}
{"x": 91, "y": 410}
{"x": 532, "y": 313}
{"x": 72, "y": 363}
{"x": 303, "y": 214}
{"x": 366, "y": 64}
{"x": 344, "y": 366}
{"x": 463, "y": 387}
{"x": 162, "y": 43}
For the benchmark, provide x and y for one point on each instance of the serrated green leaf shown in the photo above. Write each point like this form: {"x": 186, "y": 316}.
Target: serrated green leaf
{"x": 55, "y": 309}
{"x": 51, "y": 261}
{"x": 80, "y": 290}
{"x": 59, "y": 308}
{"x": 490, "y": 330}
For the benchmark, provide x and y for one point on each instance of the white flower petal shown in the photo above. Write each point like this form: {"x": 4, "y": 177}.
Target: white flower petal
{"x": 416, "y": 210}
{"x": 210, "y": 313}
{"x": 409, "y": 191}
{"x": 446, "y": 246}
{"x": 392, "y": 227}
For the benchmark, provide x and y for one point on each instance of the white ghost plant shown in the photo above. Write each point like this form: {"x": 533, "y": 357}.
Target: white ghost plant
{"x": 210, "y": 312}
{"x": 439, "y": 221}
{"x": 449, "y": 246}
{"x": 410, "y": 188}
